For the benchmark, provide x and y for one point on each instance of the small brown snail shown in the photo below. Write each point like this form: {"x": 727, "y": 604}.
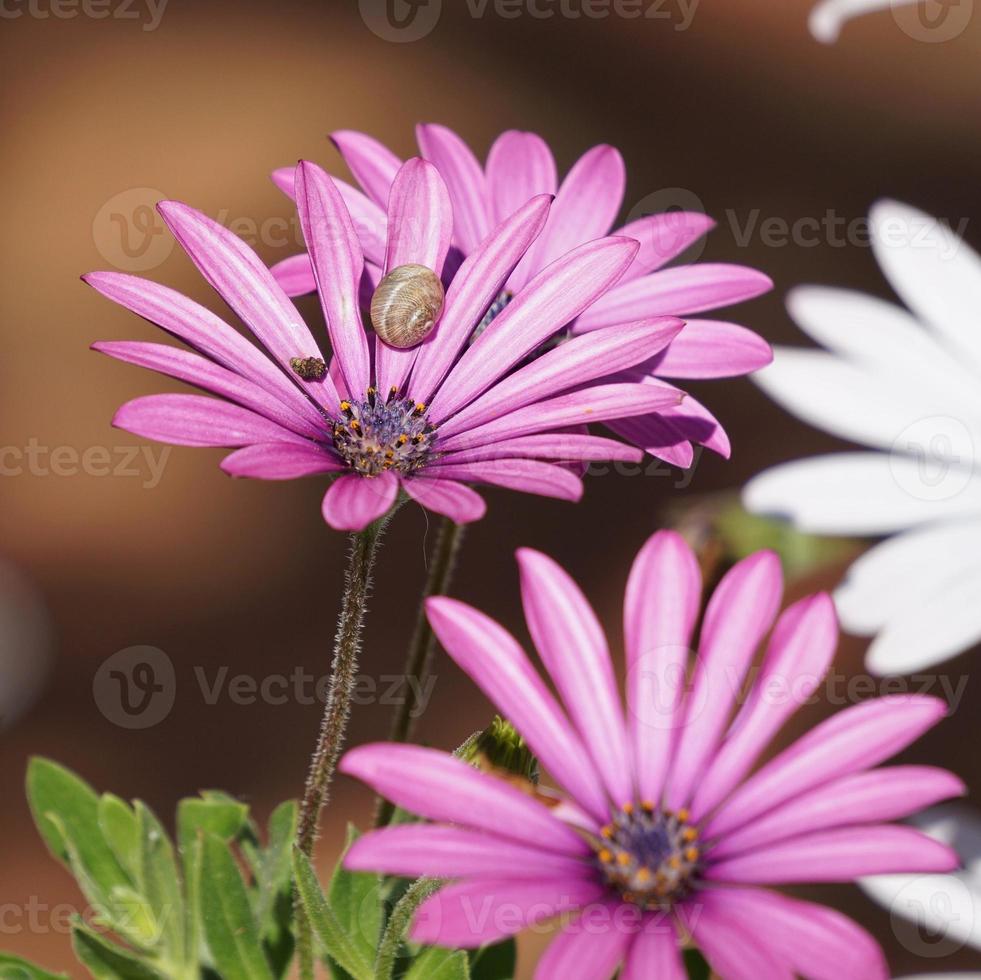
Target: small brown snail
{"x": 406, "y": 305}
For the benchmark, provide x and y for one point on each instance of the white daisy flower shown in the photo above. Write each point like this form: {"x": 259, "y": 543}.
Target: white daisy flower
{"x": 907, "y": 384}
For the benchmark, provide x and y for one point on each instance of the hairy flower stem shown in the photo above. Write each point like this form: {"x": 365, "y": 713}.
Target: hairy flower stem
{"x": 347, "y": 646}
{"x": 419, "y": 659}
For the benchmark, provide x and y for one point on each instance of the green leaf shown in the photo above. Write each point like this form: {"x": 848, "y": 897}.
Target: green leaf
{"x": 696, "y": 965}
{"x": 339, "y": 944}
{"x": 436, "y": 963}
{"x": 495, "y": 962}
{"x": 119, "y": 827}
{"x": 66, "y": 811}
{"x": 274, "y": 886}
{"x": 160, "y": 882}
{"x": 106, "y": 961}
{"x": 356, "y": 898}
{"x": 229, "y": 927}
{"x": 14, "y": 968}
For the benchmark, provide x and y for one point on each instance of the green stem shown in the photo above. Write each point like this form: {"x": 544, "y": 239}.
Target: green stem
{"x": 398, "y": 923}
{"x": 418, "y": 662}
{"x": 347, "y": 646}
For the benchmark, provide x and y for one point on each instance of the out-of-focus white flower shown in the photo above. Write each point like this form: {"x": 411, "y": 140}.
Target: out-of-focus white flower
{"x": 829, "y": 16}
{"x": 907, "y": 385}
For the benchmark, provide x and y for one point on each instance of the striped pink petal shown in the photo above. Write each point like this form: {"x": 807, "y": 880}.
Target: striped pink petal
{"x": 862, "y": 797}
{"x": 676, "y": 292}
{"x": 247, "y": 286}
{"x": 197, "y": 370}
{"x": 520, "y": 166}
{"x": 815, "y": 941}
{"x": 195, "y": 420}
{"x": 589, "y": 949}
{"x": 338, "y": 262}
{"x": 454, "y": 500}
{"x": 552, "y": 299}
{"x": 857, "y": 738}
{"x": 656, "y": 435}
{"x": 500, "y": 668}
{"x": 797, "y": 658}
{"x": 476, "y": 913}
{"x": 374, "y": 165}
{"x": 415, "y": 851}
{"x": 561, "y": 446}
{"x": 660, "y": 609}
{"x": 352, "y": 502}
{"x": 464, "y": 179}
{"x": 281, "y": 461}
{"x": 575, "y": 362}
{"x": 572, "y": 646}
{"x": 295, "y": 275}
{"x": 655, "y": 952}
{"x": 839, "y": 855}
{"x": 524, "y": 475}
{"x": 712, "y": 349}
{"x": 439, "y": 786}
{"x": 738, "y": 615}
{"x": 475, "y": 286}
{"x": 663, "y": 237}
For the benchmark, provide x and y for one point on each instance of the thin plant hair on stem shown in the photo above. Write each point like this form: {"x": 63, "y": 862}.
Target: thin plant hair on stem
{"x": 422, "y": 646}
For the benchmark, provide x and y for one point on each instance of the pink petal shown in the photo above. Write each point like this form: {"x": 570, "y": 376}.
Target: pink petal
{"x": 732, "y": 951}
{"x": 556, "y": 296}
{"x": 201, "y": 329}
{"x": 278, "y": 461}
{"x": 571, "y": 644}
{"x": 799, "y": 654}
{"x": 374, "y": 166}
{"x": 524, "y": 475}
{"x": 676, "y": 292}
{"x": 815, "y": 941}
{"x": 857, "y": 738}
{"x": 585, "y": 208}
{"x": 438, "y": 786}
{"x": 352, "y": 502}
{"x": 447, "y": 497}
{"x": 500, "y": 668}
{"x": 420, "y": 223}
{"x": 660, "y": 609}
{"x": 656, "y": 435}
{"x": 737, "y": 617}
{"x": 663, "y": 237}
{"x": 475, "y": 286}
{"x": 194, "y": 420}
{"x": 475, "y": 913}
{"x": 841, "y": 855}
{"x": 712, "y": 349}
{"x": 196, "y": 370}
{"x": 595, "y": 404}
{"x": 572, "y": 363}
{"x": 414, "y": 851}
{"x": 655, "y": 953}
{"x": 247, "y": 286}
{"x": 295, "y": 275}
{"x": 464, "y": 179}
{"x": 694, "y": 421}
{"x": 370, "y": 220}
{"x": 561, "y": 446}
{"x": 520, "y": 166}
{"x": 586, "y": 950}
{"x": 863, "y": 797}
{"x": 337, "y": 266}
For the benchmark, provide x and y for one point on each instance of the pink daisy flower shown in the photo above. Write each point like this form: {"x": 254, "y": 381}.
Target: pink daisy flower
{"x": 519, "y": 166}
{"x": 428, "y": 419}
{"x": 662, "y": 831}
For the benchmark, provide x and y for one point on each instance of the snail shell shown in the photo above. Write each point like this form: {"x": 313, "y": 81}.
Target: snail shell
{"x": 406, "y": 305}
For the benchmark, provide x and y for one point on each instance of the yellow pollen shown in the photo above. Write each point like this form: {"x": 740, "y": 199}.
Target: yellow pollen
{"x": 689, "y": 834}
{"x": 420, "y": 407}
{"x": 355, "y": 424}
{"x": 607, "y": 832}
{"x": 682, "y": 816}
{"x": 691, "y": 855}
{"x": 371, "y": 391}
{"x": 674, "y": 862}
{"x": 644, "y": 874}
{"x": 403, "y": 439}
{"x": 647, "y": 806}
{"x": 628, "y": 808}
{"x": 345, "y": 406}
{"x": 393, "y": 390}
{"x": 623, "y": 859}
{"x": 605, "y": 856}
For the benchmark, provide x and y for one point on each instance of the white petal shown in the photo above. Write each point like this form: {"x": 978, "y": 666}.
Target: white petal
{"x": 828, "y": 17}
{"x": 874, "y": 406}
{"x": 948, "y": 905}
{"x": 935, "y": 273}
{"x": 862, "y": 493}
{"x": 899, "y": 573}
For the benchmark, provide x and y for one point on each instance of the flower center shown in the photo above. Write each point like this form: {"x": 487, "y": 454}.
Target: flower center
{"x": 375, "y": 435}
{"x": 648, "y": 855}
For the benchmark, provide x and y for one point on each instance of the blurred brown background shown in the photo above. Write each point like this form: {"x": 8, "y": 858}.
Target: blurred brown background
{"x": 199, "y": 101}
